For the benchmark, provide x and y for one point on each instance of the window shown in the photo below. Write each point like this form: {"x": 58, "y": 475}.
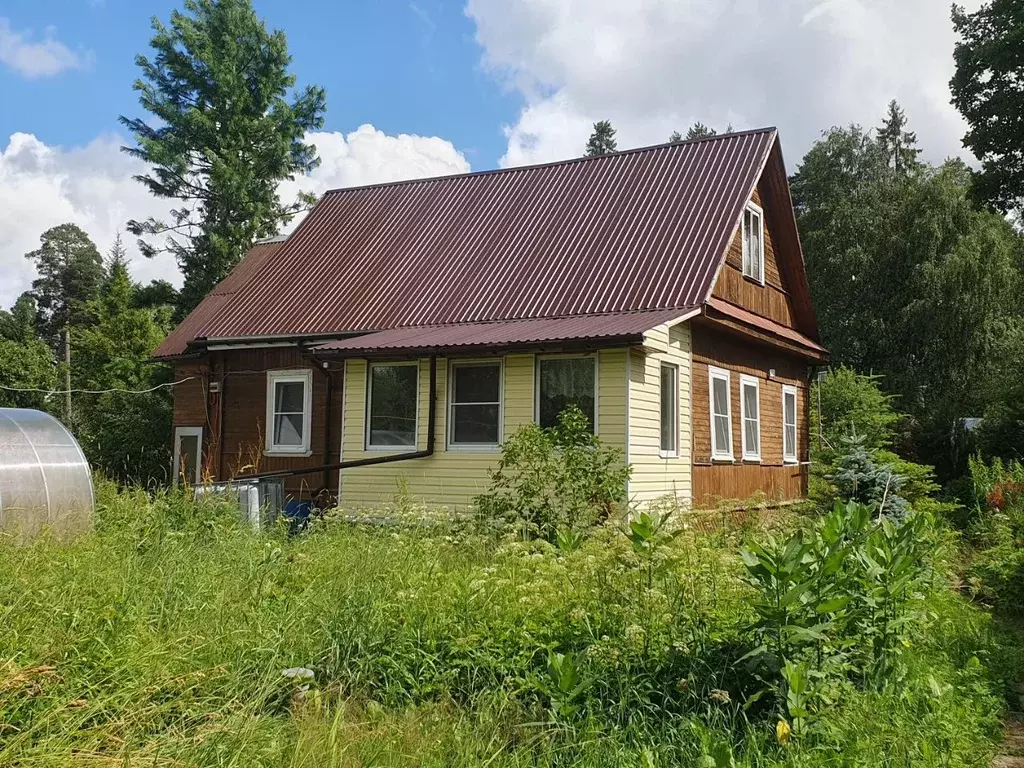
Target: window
{"x": 721, "y": 414}
{"x": 753, "y": 243}
{"x": 393, "y": 405}
{"x": 566, "y": 381}
{"x": 289, "y": 395}
{"x": 474, "y": 411}
{"x": 751, "y": 411}
{"x": 669, "y": 409}
{"x": 789, "y": 453}
{"x": 188, "y": 455}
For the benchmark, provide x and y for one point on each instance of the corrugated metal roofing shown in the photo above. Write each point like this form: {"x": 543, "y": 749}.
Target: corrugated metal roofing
{"x": 637, "y": 230}
{"x": 763, "y": 323}
{"x": 510, "y": 333}
{"x": 177, "y": 340}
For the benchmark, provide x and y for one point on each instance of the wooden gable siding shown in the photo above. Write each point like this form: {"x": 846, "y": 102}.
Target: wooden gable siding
{"x": 235, "y": 419}
{"x": 714, "y": 481}
{"x": 772, "y": 300}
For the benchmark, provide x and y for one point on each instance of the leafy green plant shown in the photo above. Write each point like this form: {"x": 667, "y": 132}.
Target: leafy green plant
{"x": 564, "y": 685}
{"x": 553, "y": 479}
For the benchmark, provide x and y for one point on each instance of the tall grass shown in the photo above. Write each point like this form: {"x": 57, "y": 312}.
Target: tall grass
{"x": 161, "y": 639}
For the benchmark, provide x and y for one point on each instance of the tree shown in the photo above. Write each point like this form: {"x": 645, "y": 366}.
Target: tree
{"x": 912, "y": 282}
{"x": 988, "y": 90}
{"x": 675, "y": 137}
{"x": 224, "y": 136}
{"x": 899, "y": 145}
{"x": 70, "y": 273}
{"x": 700, "y": 131}
{"x": 602, "y": 140}
{"x": 20, "y": 323}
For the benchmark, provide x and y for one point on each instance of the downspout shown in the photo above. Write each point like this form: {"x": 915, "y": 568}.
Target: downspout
{"x": 373, "y": 460}
{"x": 328, "y": 420}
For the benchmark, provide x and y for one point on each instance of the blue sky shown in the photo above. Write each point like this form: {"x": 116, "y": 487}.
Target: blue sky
{"x": 428, "y": 87}
{"x": 404, "y": 67}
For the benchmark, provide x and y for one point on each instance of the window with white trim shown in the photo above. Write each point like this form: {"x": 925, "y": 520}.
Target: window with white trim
{"x": 392, "y": 405}
{"x": 289, "y": 411}
{"x": 566, "y": 381}
{"x": 789, "y": 449}
{"x": 750, "y": 409}
{"x": 474, "y": 409}
{"x": 753, "y": 243}
{"x": 669, "y": 409}
{"x": 721, "y": 413}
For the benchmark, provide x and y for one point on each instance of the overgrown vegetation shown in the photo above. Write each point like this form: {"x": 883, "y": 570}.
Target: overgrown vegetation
{"x": 176, "y": 634}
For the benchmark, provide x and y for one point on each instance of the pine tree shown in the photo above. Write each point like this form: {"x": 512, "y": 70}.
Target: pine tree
{"x": 602, "y": 140}
{"x": 675, "y": 137}
{"x": 899, "y": 144}
{"x": 224, "y": 135}
{"x": 700, "y": 131}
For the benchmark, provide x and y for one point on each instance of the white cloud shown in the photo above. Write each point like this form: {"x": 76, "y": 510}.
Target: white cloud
{"x": 42, "y": 58}
{"x": 42, "y": 186}
{"x": 653, "y": 66}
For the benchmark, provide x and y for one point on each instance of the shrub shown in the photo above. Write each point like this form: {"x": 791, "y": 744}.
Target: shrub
{"x": 553, "y": 479}
{"x": 851, "y": 403}
{"x": 858, "y": 477}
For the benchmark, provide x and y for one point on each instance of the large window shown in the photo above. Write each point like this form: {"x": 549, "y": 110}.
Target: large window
{"x": 474, "y": 411}
{"x": 721, "y": 414}
{"x": 289, "y": 398}
{"x": 789, "y": 451}
{"x": 391, "y": 417}
{"x": 566, "y": 381}
{"x": 669, "y": 410}
{"x": 750, "y": 403}
{"x": 753, "y": 243}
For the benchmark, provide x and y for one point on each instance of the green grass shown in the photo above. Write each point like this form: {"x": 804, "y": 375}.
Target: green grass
{"x": 160, "y": 640}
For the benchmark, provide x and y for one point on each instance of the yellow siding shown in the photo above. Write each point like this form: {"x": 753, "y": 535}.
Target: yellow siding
{"x": 653, "y": 476}
{"x": 453, "y": 477}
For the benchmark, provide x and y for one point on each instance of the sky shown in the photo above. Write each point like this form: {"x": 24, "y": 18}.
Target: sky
{"x": 430, "y": 87}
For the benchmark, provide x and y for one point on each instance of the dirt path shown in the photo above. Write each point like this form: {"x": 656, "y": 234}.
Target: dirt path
{"x": 1012, "y": 750}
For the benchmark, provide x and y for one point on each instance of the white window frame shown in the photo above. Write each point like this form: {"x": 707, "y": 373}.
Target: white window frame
{"x": 756, "y": 210}
{"x": 748, "y": 453}
{"x": 369, "y": 400}
{"x": 717, "y": 452}
{"x": 305, "y": 377}
{"x": 196, "y": 432}
{"x": 450, "y": 444}
{"x": 536, "y": 384}
{"x": 674, "y": 453}
{"x": 793, "y": 458}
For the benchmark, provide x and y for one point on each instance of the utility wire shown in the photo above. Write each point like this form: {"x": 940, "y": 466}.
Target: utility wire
{"x": 98, "y": 391}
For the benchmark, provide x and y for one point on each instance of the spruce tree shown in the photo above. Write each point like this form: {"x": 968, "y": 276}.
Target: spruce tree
{"x": 227, "y": 128}
{"x": 700, "y": 131}
{"x": 675, "y": 137}
{"x": 899, "y": 144}
{"x": 602, "y": 140}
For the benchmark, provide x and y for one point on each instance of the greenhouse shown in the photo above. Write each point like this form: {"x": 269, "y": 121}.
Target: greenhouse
{"x": 45, "y": 481}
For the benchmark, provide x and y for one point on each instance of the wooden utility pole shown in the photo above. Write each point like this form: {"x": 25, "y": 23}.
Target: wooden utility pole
{"x": 67, "y": 374}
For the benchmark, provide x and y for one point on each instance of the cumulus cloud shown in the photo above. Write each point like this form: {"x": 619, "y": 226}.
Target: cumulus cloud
{"x": 42, "y": 186}
{"x": 654, "y": 66}
{"x": 38, "y": 58}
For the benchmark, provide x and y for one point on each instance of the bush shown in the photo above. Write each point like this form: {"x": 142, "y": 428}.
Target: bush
{"x": 851, "y": 403}
{"x": 858, "y": 477}
{"x": 555, "y": 479}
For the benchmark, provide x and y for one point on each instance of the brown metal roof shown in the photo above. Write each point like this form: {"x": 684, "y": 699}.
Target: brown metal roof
{"x": 617, "y": 326}
{"x": 746, "y": 317}
{"x": 637, "y": 230}
{"x": 177, "y": 340}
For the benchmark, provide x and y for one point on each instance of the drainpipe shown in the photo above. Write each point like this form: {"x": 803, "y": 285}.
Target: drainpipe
{"x": 373, "y": 460}
{"x": 328, "y": 375}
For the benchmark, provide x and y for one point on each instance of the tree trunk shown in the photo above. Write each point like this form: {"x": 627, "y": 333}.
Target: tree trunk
{"x": 67, "y": 375}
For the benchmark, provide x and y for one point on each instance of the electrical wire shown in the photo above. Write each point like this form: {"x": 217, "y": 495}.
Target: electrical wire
{"x": 98, "y": 391}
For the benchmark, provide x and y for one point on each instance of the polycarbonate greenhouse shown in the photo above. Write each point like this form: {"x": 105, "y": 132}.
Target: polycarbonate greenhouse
{"x": 45, "y": 482}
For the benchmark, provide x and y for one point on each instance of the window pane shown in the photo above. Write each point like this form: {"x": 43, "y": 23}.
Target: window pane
{"x": 755, "y": 246}
{"x": 393, "y": 405}
{"x": 753, "y": 437}
{"x": 565, "y": 382}
{"x": 721, "y": 434}
{"x": 475, "y": 424}
{"x": 188, "y": 459}
{"x": 289, "y": 396}
{"x": 476, "y": 383}
{"x": 749, "y": 402}
{"x": 721, "y": 387}
{"x": 790, "y": 441}
{"x": 288, "y": 429}
{"x": 790, "y": 415}
{"x": 668, "y": 408}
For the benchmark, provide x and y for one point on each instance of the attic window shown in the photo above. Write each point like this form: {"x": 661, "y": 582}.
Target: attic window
{"x": 753, "y": 243}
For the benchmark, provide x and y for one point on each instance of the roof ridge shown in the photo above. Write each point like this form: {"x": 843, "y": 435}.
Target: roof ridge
{"x": 506, "y": 320}
{"x": 551, "y": 163}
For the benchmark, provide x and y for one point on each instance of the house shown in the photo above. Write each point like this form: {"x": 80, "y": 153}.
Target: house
{"x": 404, "y": 330}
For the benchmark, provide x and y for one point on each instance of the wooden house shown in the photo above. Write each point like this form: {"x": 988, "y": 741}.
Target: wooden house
{"x": 404, "y": 330}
